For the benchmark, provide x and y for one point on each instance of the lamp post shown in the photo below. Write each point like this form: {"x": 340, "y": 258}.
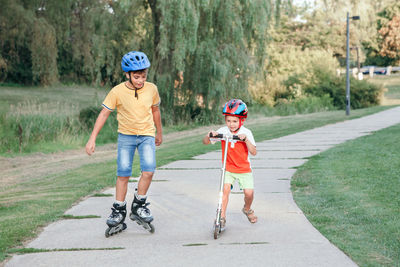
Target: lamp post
{"x": 348, "y": 61}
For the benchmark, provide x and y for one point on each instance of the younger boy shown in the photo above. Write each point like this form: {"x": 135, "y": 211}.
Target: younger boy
{"x": 237, "y": 159}
{"x": 138, "y": 114}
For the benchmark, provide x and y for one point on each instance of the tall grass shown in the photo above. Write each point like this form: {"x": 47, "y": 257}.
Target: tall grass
{"x": 52, "y": 123}
{"x": 46, "y": 119}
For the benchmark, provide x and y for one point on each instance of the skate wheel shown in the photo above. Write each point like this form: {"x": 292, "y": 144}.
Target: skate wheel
{"x": 107, "y": 233}
{"x": 152, "y": 229}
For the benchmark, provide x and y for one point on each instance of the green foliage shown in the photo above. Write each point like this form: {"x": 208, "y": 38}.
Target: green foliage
{"x": 301, "y": 105}
{"x": 210, "y": 52}
{"x": 87, "y": 117}
{"x": 362, "y": 93}
{"x": 290, "y": 69}
{"x": 15, "y": 39}
{"x": 202, "y": 52}
{"x": 44, "y": 53}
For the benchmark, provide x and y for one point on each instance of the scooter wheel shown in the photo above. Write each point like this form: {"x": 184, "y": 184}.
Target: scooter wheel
{"x": 217, "y": 230}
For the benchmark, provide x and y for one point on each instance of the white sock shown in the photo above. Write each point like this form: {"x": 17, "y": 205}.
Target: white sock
{"x": 120, "y": 203}
{"x": 140, "y": 197}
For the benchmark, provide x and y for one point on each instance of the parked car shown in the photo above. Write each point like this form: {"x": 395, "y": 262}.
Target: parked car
{"x": 377, "y": 70}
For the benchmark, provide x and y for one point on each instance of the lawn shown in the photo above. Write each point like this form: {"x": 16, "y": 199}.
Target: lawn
{"x": 351, "y": 194}
{"x": 392, "y": 85}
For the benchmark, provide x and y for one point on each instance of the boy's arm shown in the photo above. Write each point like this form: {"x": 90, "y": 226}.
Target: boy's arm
{"x": 101, "y": 119}
{"x": 252, "y": 148}
{"x": 157, "y": 122}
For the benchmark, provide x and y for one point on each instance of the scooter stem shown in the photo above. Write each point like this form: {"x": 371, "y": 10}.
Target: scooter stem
{"x": 221, "y": 185}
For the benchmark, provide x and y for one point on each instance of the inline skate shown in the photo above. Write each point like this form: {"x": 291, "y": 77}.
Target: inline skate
{"x": 141, "y": 214}
{"x": 116, "y": 220}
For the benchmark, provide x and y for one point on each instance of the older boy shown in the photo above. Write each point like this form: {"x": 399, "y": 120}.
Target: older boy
{"x": 138, "y": 114}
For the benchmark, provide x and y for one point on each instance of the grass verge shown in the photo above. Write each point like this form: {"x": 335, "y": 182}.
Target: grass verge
{"x": 351, "y": 194}
{"x": 30, "y": 205}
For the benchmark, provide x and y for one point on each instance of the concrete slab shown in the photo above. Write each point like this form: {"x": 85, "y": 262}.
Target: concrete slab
{"x": 288, "y": 154}
{"x": 215, "y": 164}
{"x": 291, "y": 147}
{"x": 205, "y": 254}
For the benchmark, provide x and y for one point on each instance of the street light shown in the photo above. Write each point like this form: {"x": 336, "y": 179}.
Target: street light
{"x": 348, "y": 62}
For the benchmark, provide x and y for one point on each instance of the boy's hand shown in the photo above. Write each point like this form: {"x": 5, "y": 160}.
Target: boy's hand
{"x": 158, "y": 140}
{"x": 242, "y": 137}
{"x": 90, "y": 146}
{"x": 212, "y": 133}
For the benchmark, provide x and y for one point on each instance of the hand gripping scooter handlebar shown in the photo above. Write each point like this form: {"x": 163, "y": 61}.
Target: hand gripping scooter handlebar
{"x": 228, "y": 139}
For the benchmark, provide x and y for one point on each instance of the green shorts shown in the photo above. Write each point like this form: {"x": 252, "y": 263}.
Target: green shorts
{"x": 245, "y": 180}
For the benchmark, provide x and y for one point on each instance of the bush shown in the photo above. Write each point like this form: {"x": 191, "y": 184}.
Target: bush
{"x": 87, "y": 117}
{"x": 289, "y": 70}
{"x": 362, "y": 93}
{"x": 300, "y": 105}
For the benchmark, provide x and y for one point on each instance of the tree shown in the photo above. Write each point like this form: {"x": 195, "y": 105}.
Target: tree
{"x": 205, "y": 52}
{"x": 389, "y": 33}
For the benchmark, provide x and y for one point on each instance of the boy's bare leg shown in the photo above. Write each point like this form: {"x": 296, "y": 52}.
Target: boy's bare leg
{"x": 144, "y": 182}
{"x": 121, "y": 188}
{"x": 248, "y": 198}
{"x": 225, "y": 199}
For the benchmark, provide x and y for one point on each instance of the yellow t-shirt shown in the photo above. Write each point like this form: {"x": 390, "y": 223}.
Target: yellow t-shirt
{"x": 134, "y": 115}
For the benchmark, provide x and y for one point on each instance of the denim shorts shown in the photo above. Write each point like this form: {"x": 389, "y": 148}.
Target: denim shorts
{"x": 127, "y": 145}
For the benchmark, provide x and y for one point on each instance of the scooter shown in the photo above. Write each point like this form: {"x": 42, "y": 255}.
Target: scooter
{"x": 232, "y": 139}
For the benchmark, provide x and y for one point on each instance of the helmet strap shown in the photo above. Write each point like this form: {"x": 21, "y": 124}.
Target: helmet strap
{"x": 240, "y": 125}
{"x": 130, "y": 81}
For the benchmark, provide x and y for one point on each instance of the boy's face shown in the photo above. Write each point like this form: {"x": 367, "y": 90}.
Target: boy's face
{"x": 233, "y": 123}
{"x": 137, "y": 78}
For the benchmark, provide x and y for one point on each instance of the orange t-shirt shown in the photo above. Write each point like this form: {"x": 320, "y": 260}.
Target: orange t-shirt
{"x": 237, "y": 160}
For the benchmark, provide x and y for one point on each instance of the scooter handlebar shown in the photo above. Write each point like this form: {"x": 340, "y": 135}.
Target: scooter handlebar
{"x": 234, "y": 137}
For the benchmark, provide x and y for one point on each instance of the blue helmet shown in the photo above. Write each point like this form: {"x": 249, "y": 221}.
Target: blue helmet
{"x": 134, "y": 61}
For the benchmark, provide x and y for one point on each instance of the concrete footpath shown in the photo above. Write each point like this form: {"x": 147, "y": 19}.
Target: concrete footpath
{"x": 183, "y": 200}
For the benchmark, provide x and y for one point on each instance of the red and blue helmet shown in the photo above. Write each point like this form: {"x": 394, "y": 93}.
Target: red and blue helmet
{"x": 235, "y": 107}
{"x": 134, "y": 61}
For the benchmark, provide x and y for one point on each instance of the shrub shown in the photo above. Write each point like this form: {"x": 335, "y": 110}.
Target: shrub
{"x": 362, "y": 93}
{"x": 87, "y": 116}
{"x": 289, "y": 70}
{"x": 300, "y": 105}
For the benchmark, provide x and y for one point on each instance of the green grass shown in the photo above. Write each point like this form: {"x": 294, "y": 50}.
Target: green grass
{"x": 45, "y": 119}
{"x": 351, "y": 194}
{"x": 29, "y": 205}
{"x": 72, "y": 217}
{"x": 51, "y": 99}
{"x": 22, "y": 251}
{"x": 391, "y": 83}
